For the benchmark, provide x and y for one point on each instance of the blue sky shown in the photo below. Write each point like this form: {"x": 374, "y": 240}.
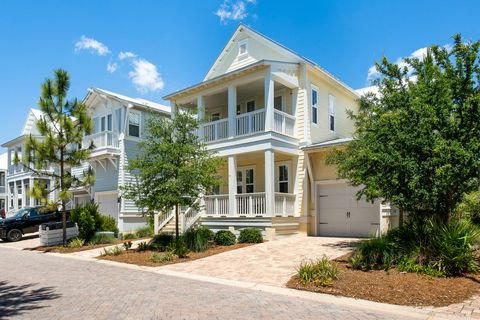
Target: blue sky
{"x": 168, "y": 45}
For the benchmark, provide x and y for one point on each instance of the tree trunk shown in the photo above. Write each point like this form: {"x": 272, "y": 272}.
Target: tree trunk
{"x": 64, "y": 213}
{"x": 177, "y": 214}
{"x": 400, "y": 217}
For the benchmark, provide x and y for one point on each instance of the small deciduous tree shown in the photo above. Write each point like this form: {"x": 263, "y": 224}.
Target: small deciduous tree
{"x": 62, "y": 128}
{"x": 417, "y": 142}
{"x": 173, "y": 167}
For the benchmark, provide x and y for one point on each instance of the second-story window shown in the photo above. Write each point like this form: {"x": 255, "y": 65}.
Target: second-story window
{"x": 250, "y": 105}
{"x": 109, "y": 122}
{"x": 314, "y": 105}
{"x": 331, "y": 112}
{"x": 134, "y": 124}
{"x": 102, "y": 124}
{"x": 2, "y": 179}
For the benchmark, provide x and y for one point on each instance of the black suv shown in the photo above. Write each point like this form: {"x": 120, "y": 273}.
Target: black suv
{"x": 26, "y": 220}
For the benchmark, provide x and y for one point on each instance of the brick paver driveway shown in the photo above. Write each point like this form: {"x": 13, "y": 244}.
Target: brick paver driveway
{"x": 28, "y": 241}
{"x": 272, "y": 262}
{"x": 40, "y": 286}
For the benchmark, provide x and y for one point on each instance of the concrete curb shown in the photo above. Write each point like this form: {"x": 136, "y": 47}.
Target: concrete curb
{"x": 405, "y": 311}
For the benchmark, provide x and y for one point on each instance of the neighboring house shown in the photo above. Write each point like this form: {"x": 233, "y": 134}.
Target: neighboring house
{"x": 119, "y": 124}
{"x": 3, "y": 182}
{"x": 273, "y": 115}
{"x": 20, "y": 180}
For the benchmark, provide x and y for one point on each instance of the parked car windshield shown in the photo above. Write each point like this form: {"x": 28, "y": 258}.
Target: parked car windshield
{"x": 20, "y": 213}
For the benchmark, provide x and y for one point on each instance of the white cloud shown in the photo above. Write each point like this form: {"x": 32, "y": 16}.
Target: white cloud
{"x": 235, "y": 11}
{"x": 112, "y": 67}
{"x": 145, "y": 76}
{"x": 419, "y": 54}
{"x": 92, "y": 45}
{"x": 126, "y": 55}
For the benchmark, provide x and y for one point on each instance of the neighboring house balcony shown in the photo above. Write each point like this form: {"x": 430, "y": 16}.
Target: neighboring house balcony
{"x": 105, "y": 144}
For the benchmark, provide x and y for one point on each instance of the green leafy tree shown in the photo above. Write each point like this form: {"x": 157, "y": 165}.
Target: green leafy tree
{"x": 62, "y": 128}
{"x": 173, "y": 167}
{"x": 417, "y": 142}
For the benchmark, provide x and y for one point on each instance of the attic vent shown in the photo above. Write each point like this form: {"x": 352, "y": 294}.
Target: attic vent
{"x": 242, "y": 48}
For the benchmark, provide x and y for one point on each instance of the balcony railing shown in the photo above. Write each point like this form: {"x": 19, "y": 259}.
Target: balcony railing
{"x": 251, "y": 204}
{"x": 283, "y": 123}
{"x": 250, "y": 122}
{"x": 216, "y": 205}
{"x": 106, "y": 139}
{"x": 215, "y": 130}
{"x": 284, "y": 204}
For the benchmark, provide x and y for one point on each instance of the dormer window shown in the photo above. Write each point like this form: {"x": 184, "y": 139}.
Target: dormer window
{"x": 242, "y": 48}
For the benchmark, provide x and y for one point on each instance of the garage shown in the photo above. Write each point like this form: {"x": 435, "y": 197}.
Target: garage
{"x": 107, "y": 203}
{"x": 340, "y": 214}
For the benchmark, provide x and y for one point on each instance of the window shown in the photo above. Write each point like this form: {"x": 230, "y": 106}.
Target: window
{"x": 134, "y": 124}
{"x": 109, "y": 122}
{"x": 239, "y": 109}
{"x": 102, "y": 124}
{"x": 246, "y": 185}
{"x": 250, "y": 105}
{"x": 283, "y": 178}
{"x": 278, "y": 103}
{"x": 331, "y": 112}
{"x": 2, "y": 179}
{"x": 314, "y": 105}
{"x": 242, "y": 47}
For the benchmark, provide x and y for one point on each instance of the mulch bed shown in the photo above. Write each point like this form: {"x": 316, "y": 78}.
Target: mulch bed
{"x": 142, "y": 258}
{"x": 62, "y": 249}
{"x": 396, "y": 287}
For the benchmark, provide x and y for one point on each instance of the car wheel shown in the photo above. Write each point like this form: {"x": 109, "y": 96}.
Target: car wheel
{"x": 14, "y": 235}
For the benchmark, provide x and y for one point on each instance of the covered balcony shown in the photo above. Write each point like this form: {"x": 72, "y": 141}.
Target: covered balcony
{"x": 105, "y": 143}
{"x": 257, "y": 184}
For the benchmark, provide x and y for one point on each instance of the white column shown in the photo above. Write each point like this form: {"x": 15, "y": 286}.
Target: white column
{"x": 270, "y": 182}
{"x": 269, "y": 94}
{"x": 30, "y": 186}
{"x": 173, "y": 107}
{"x": 201, "y": 115}
{"x": 23, "y": 194}
{"x": 232, "y": 184}
{"x": 232, "y": 110}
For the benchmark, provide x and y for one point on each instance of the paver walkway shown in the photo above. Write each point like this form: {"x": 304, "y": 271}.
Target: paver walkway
{"x": 43, "y": 286}
{"x": 28, "y": 241}
{"x": 272, "y": 262}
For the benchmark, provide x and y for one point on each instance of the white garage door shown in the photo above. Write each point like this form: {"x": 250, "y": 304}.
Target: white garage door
{"x": 340, "y": 214}
{"x": 107, "y": 204}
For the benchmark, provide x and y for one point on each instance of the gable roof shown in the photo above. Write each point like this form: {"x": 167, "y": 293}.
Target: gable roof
{"x": 277, "y": 46}
{"x": 33, "y": 116}
{"x": 139, "y": 102}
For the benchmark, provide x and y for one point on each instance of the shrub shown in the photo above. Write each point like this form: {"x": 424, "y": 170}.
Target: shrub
{"x": 161, "y": 241}
{"x": 76, "y": 243}
{"x": 107, "y": 223}
{"x": 196, "y": 240}
{"x": 129, "y": 236}
{"x": 178, "y": 247}
{"x": 321, "y": 272}
{"x": 250, "y": 235}
{"x": 375, "y": 253}
{"x": 101, "y": 239}
{"x": 408, "y": 265}
{"x": 161, "y": 257}
{"x": 87, "y": 219}
{"x": 142, "y": 246}
{"x": 127, "y": 245}
{"x": 225, "y": 238}
{"x": 115, "y": 251}
{"x": 469, "y": 208}
{"x": 144, "y": 232}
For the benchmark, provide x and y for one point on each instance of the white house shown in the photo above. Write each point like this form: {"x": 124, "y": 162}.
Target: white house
{"x": 3, "y": 182}
{"x": 274, "y": 115}
{"x": 119, "y": 124}
{"x": 18, "y": 179}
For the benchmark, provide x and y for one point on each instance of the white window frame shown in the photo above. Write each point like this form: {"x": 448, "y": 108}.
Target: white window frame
{"x": 139, "y": 123}
{"x": 314, "y": 106}
{"x": 240, "y": 44}
{"x": 331, "y": 112}
{"x": 243, "y": 183}
{"x": 288, "y": 164}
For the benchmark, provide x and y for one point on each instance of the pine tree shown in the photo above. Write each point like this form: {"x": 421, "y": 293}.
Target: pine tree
{"x": 62, "y": 128}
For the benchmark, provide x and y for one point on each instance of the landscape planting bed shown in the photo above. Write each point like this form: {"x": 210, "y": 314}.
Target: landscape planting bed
{"x": 396, "y": 287}
{"x": 142, "y": 258}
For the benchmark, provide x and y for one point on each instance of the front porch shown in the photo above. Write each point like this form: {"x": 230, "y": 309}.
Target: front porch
{"x": 256, "y": 184}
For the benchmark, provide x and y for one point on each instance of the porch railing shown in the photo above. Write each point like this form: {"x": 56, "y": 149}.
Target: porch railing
{"x": 250, "y": 122}
{"x": 215, "y": 130}
{"x": 284, "y": 204}
{"x": 283, "y": 123}
{"x": 251, "y": 204}
{"x": 106, "y": 139}
{"x": 216, "y": 205}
